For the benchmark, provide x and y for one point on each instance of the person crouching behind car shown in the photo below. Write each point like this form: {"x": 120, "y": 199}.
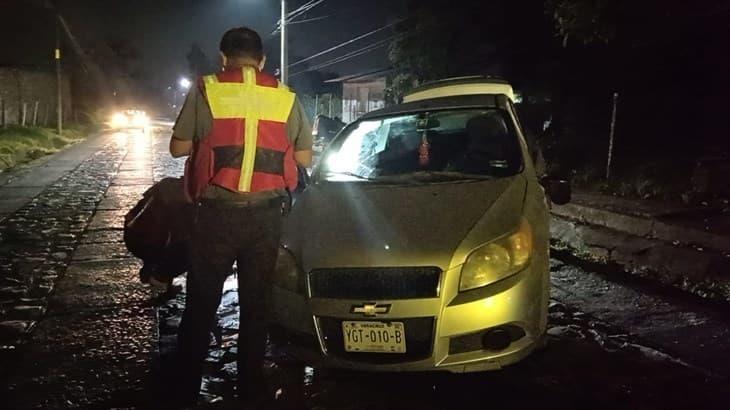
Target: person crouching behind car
{"x": 157, "y": 231}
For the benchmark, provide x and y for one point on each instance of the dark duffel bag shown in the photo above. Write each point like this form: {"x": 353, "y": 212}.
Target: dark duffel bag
{"x": 157, "y": 230}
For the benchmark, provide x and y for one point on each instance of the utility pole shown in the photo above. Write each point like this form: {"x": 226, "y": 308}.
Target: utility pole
{"x": 57, "y": 55}
{"x": 284, "y": 70}
{"x": 611, "y": 136}
{"x": 35, "y": 114}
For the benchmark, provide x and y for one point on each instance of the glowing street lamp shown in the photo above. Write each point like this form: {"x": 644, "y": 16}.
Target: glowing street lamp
{"x": 185, "y": 83}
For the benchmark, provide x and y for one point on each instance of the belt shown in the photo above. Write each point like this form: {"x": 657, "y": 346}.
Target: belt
{"x": 256, "y": 203}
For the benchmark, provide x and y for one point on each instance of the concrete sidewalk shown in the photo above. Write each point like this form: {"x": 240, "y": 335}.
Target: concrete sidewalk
{"x": 20, "y": 185}
{"x": 683, "y": 246}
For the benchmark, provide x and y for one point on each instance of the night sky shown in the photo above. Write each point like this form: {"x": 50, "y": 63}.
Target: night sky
{"x": 164, "y": 30}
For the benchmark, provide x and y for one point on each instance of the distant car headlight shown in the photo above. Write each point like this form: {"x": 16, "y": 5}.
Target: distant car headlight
{"x": 498, "y": 259}
{"x": 140, "y": 119}
{"x": 119, "y": 120}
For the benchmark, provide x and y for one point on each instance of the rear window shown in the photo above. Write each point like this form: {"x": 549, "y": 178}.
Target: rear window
{"x": 469, "y": 142}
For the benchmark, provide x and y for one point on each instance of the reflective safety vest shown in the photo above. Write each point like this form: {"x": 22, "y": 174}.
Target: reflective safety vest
{"x": 247, "y": 149}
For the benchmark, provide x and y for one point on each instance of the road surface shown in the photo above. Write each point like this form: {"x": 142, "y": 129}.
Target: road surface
{"x": 98, "y": 336}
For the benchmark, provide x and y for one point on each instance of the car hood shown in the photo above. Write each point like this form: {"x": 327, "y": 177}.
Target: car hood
{"x": 365, "y": 224}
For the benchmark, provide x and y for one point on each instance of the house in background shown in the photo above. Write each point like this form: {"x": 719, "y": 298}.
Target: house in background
{"x": 361, "y": 93}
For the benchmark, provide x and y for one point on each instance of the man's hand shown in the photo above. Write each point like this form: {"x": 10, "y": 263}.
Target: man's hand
{"x": 303, "y": 158}
{"x": 180, "y": 148}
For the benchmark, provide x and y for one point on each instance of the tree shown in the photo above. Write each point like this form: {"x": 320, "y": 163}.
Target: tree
{"x": 586, "y": 20}
{"x": 506, "y": 38}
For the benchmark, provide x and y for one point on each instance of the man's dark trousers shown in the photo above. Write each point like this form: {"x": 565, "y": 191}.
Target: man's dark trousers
{"x": 224, "y": 233}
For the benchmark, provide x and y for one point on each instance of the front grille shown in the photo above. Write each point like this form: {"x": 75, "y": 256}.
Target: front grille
{"x": 419, "y": 341}
{"x": 375, "y": 283}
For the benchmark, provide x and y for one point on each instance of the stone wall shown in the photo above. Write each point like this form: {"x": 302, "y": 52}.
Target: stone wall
{"x": 30, "y": 87}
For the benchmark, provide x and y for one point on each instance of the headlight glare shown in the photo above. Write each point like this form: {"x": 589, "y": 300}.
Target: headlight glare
{"x": 497, "y": 260}
{"x": 140, "y": 119}
{"x": 119, "y": 120}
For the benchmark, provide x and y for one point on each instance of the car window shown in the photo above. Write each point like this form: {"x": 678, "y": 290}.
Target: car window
{"x": 469, "y": 142}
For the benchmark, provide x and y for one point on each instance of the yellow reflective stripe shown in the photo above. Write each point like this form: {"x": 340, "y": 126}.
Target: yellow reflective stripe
{"x": 251, "y": 136}
{"x": 232, "y": 100}
{"x": 210, "y": 79}
{"x": 252, "y": 103}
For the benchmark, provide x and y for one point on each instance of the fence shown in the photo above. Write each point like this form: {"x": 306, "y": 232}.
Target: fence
{"x": 28, "y": 97}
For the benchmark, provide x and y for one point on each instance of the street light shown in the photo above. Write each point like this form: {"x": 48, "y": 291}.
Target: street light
{"x": 185, "y": 83}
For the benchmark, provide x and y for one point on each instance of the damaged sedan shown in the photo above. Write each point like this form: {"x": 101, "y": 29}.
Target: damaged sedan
{"x": 421, "y": 241}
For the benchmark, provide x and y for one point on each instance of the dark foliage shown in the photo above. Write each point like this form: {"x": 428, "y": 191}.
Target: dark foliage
{"x": 667, "y": 61}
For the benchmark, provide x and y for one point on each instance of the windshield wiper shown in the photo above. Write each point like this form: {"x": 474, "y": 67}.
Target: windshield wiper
{"x": 439, "y": 176}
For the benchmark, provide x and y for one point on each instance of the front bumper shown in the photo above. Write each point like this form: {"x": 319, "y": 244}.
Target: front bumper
{"x": 446, "y": 331}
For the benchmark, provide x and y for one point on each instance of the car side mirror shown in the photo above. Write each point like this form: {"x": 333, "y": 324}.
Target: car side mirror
{"x": 557, "y": 190}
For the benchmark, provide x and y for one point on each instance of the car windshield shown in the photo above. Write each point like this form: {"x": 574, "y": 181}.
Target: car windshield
{"x": 428, "y": 146}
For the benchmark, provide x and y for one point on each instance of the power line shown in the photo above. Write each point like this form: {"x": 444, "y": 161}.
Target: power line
{"x": 296, "y": 13}
{"x": 348, "y": 56}
{"x": 277, "y": 30}
{"x": 346, "y": 43}
{"x": 303, "y": 9}
{"x": 358, "y": 52}
{"x": 310, "y": 20}
{"x": 340, "y": 60}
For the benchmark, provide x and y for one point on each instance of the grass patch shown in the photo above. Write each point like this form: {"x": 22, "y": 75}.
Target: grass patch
{"x": 19, "y": 145}
{"x": 641, "y": 179}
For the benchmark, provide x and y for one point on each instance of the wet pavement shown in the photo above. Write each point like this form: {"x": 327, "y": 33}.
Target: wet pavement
{"x": 78, "y": 329}
{"x": 97, "y": 336}
{"x": 589, "y": 363}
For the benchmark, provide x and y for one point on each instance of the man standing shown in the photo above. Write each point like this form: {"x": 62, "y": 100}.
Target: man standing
{"x": 245, "y": 134}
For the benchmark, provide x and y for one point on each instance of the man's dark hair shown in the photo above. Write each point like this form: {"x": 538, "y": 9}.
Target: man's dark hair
{"x": 242, "y": 42}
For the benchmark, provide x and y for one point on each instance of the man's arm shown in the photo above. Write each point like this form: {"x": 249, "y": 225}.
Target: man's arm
{"x": 186, "y": 126}
{"x": 304, "y": 158}
{"x": 180, "y": 148}
{"x": 300, "y": 134}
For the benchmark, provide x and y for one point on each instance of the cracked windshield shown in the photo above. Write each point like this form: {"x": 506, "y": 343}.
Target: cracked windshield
{"x": 364, "y": 205}
{"x": 459, "y": 143}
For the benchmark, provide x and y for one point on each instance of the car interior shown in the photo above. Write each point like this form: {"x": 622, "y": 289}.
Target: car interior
{"x": 479, "y": 143}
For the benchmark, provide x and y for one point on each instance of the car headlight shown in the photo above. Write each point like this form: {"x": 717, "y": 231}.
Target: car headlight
{"x": 140, "y": 119}
{"x": 498, "y": 259}
{"x": 119, "y": 120}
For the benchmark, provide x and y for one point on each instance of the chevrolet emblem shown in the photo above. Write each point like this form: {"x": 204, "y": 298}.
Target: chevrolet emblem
{"x": 370, "y": 309}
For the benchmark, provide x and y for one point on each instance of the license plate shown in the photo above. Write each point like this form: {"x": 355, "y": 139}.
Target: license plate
{"x": 374, "y": 337}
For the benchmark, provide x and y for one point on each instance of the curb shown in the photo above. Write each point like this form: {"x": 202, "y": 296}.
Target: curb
{"x": 694, "y": 270}
{"x": 642, "y": 227}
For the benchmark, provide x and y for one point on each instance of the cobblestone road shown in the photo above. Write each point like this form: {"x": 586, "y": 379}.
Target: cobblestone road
{"x": 76, "y": 327}
{"x": 65, "y": 275}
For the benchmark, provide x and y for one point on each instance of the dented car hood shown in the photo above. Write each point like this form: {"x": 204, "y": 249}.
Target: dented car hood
{"x": 363, "y": 224}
